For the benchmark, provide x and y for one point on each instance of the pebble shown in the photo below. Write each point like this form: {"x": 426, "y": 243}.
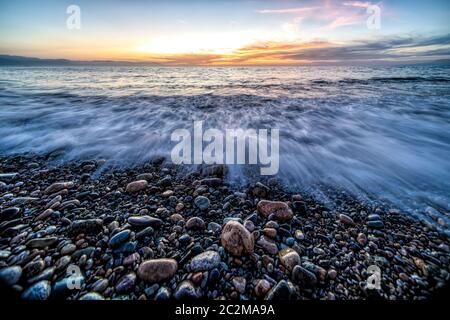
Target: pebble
{"x": 9, "y": 213}
{"x": 38, "y": 291}
{"x": 268, "y": 245}
{"x": 236, "y": 239}
{"x": 185, "y": 291}
{"x": 86, "y": 226}
{"x": 119, "y": 238}
{"x": 205, "y": 261}
{"x": 279, "y": 210}
{"x": 92, "y": 296}
{"x": 239, "y": 283}
{"x": 58, "y": 186}
{"x": 162, "y": 294}
{"x": 262, "y": 287}
{"x": 289, "y": 258}
{"x": 144, "y": 221}
{"x": 202, "y": 202}
{"x": 126, "y": 283}
{"x": 10, "y": 275}
{"x": 157, "y": 270}
{"x": 284, "y": 290}
{"x": 40, "y": 243}
{"x": 299, "y": 235}
{"x": 375, "y": 224}
{"x": 303, "y": 276}
{"x": 136, "y": 186}
{"x": 195, "y": 223}
{"x": 345, "y": 219}
{"x": 362, "y": 239}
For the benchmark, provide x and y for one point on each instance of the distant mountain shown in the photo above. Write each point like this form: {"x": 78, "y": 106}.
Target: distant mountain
{"x": 9, "y": 60}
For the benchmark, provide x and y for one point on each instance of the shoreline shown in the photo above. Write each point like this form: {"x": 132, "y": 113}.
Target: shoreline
{"x": 290, "y": 247}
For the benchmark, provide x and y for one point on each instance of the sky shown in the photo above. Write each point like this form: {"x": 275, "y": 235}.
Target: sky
{"x": 229, "y": 32}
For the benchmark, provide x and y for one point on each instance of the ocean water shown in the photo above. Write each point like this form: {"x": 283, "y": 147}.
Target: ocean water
{"x": 380, "y": 133}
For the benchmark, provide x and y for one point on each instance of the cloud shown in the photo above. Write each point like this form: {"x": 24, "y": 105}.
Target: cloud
{"x": 392, "y": 49}
{"x": 344, "y": 21}
{"x": 289, "y": 10}
{"x": 358, "y": 4}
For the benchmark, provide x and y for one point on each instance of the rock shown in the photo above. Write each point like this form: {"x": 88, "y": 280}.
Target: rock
{"x": 202, "y": 202}
{"x": 270, "y": 232}
{"x": 38, "y": 291}
{"x": 205, "y": 261}
{"x": 58, "y": 186}
{"x": 289, "y": 258}
{"x": 32, "y": 268}
{"x": 136, "y": 186}
{"x": 9, "y": 213}
{"x": 144, "y": 221}
{"x": 420, "y": 264}
{"x": 44, "y": 215}
{"x": 145, "y": 176}
{"x": 345, "y": 219}
{"x": 362, "y": 239}
{"x": 332, "y": 274}
{"x": 40, "y": 243}
{"x": 236, "y": 239}
{"x": 268, "y": 245}
{"x": 167, "y": 194}
{"x": 262, "y": 287}
{"x": 249, "y": 225}
{"x": 131, "y": 259}
{"x": 100, "y": 285}
{"x": 276, "y": 209}
{"x": 162, "y": 294}
{"x": 284, "y": 290}
{"x": 119, "y": 238}
{"x": 299, "y": 235}
{"x": 374, "y": 217}
{"x": 157, "y": 270}
{"x": 147, "y": 232}
{"x": 195, "y": 223}
{"x": 377, "y": 224}
{"x": 92, "y": 296}
{"x": 10, "y": 275}
{"x": 213, "y": 226}
{"x": 303, "y": 276}
{"x": 126, "y": 283}
{"x": 239, "y": 283}
{"x": 8, "y": 177}
{"x": 68, "y": 249}
{"x": 186, "y": 290}
{"x": 260, "y": 190}
{"x": 86, "y": 226}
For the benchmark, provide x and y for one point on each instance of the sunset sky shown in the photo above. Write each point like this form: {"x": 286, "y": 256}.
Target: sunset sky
{"x": 228, "y": 32}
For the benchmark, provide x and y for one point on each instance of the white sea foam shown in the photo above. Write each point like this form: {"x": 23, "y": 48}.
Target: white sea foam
{"x": 380, "y": 133}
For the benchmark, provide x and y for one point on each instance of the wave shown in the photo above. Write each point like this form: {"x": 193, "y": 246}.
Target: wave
{"x": 378, "y": 143}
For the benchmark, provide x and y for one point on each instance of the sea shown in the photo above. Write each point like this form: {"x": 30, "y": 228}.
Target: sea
{"x": 381, "y": 134}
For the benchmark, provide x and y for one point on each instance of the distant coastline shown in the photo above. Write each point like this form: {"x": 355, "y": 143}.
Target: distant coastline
{"x": 22, "y": 61}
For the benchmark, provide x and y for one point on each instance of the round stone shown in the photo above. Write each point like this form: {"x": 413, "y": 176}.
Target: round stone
{"x": 202, "y": 202}
{"x": 205, "y": 261}
{"x": 236, "y": 239}
{"x": 157, "y": 270}
{"x": 39, "y": 291}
